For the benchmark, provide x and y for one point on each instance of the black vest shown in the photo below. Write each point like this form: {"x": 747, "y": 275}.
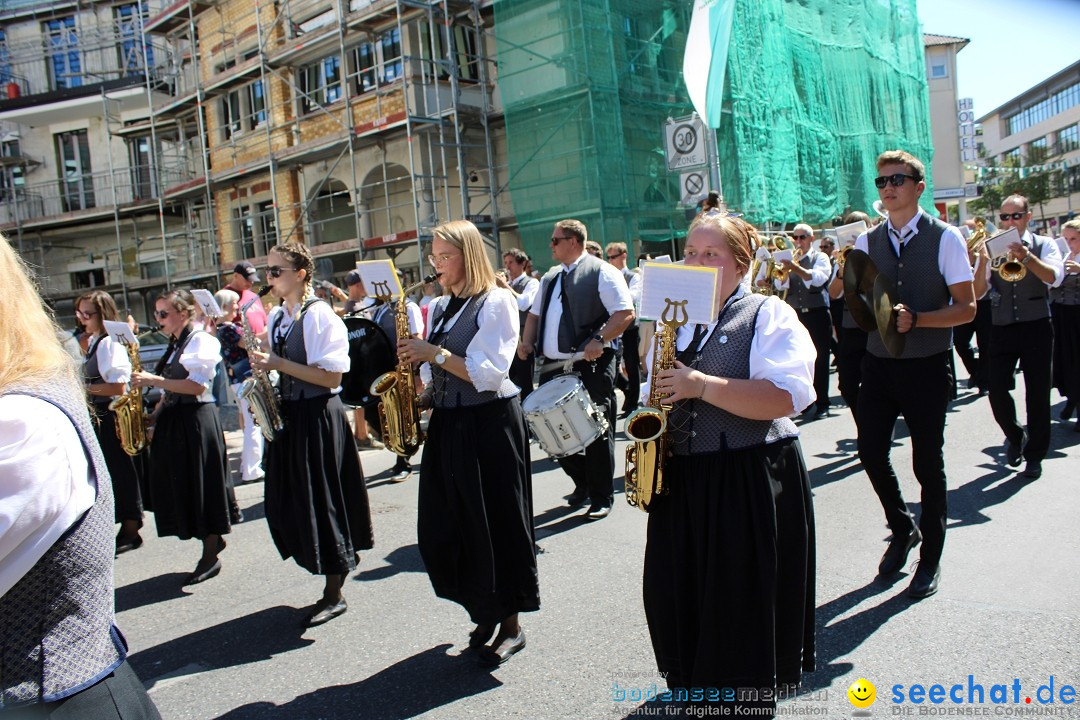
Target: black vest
{"x": 1022, "y": 301}
{"x": 519, "y": 286}
{"x": 1068, "y": 293}
{"x": 291, "y": 346}
{"x": 92, "y": 374}
{"x": 56, "y": 623}
{"x": 583, "y": 311}
{"x": 699, "y": 428}
{"x": 175, "y": 371}
{"x": 800, "y": 296}
{"x": 450, "y": 390}
{"x": 919, "y": 283}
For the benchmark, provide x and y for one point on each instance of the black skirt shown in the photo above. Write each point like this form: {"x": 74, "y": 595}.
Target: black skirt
{"x": 475, "y": 521}
{"x": 1066, "y": 320}
{"x": 124, "y": 469}
{"x": 189, "y": 477}
{"x": 730, "y": 570}
{"x": 316, "y": 500}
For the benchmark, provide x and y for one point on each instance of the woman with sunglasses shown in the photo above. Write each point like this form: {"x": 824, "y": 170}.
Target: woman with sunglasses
{"x": 189, "y": 477}
{"x": 106, "y": 370}
{"x": 316, "y": 501}
{"x": 730, "y": 556}
{"x": 474, "y": 522}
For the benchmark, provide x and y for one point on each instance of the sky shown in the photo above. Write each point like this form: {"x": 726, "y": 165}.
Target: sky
{"x": 1014, "y": 43}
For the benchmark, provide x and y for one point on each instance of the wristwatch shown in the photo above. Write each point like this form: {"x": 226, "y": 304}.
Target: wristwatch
{"x": 440, "y": 357}
{"x": 1026, "y": 259}
{"x": 598, "y": 338}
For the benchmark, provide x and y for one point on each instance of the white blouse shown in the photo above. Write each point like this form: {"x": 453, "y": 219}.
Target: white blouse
{"x": 113, "y": 362}
{"x": 45, "y": 482}
{"x": 781, "y": 352}
{"x": 492, "y": 349}
{"x": 200, "y": 357}
{"x": 326, "y": 339}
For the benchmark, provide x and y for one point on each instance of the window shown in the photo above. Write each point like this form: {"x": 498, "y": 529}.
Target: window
{"x": 12, "y": 181}
{"x": 230, "y": 114}
{"x": 86, "y": 279}
{"x": 1069, "y": 139}
{"x": 391, "y": 56}
{"x": 939, "y": 71}
{"x": 1043, "y": 110}
{"x": 5, "y": 63}
{"x": 256, "y": 95}
{"x": 267, "y": 226}
{"x": 62, "y": 53}
{"x": 320, "y": 83}
{"x": 366, "y": 67}
{"x": 377, "y": 64}
{"x": 245, "y": 230}
{"x": 256, "y": 228}
{"x": 136, "y": 56}
{"x": 243, "y": 109}
{"x": 76, "y": 181}
{"x": 1072, "y": 179}
{"x": 463, "y": 43}
{"x": 139, "y": 159}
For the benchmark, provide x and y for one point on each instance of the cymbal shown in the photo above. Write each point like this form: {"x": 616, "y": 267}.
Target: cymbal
{"x": 885, "y": 299}
{"x": 859, "y": 274}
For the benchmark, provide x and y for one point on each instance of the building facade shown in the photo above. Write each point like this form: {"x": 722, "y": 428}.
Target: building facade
{"x": 954, "y": 141}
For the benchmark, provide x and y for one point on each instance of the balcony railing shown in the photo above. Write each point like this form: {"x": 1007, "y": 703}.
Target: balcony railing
{"x": 34, "y": 202}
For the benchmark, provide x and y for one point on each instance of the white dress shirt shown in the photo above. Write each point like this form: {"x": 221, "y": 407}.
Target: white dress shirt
{"x": 953, "y": 261}
{"x": 614, "y": 296}
{"x": 527, "y": 295}
{"x": 114, "y": 365}
{"x": 45, "y": 482}
{"x": 326, "y": 339}
{"x": 492, "y": 349}
{"x": 1051, "y": 255}
{"x": 781, "y": 352}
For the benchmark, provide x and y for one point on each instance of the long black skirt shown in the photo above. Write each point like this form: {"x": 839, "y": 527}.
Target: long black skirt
{"x": 730, "y": 570}
{"x": 316, "y": 501}
{"x": 189, "y": 477}
{"x": 125, "y": 470}
{"x": 1066, "y": 320}
{"x": 475, "y": 521}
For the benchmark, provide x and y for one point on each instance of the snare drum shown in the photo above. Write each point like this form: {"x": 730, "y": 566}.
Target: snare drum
{"x": 370, "y": 355}
{"x": 563, "y": 417}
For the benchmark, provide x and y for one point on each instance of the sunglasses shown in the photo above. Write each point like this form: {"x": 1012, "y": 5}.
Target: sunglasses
{"x": 161, "y": 314}
{"x": 616, "y": 255}
{"x": 557, "y": 240}
{"x": 1012, "y": 216}
{"x": 897, "y": 179}
{"x": 80, "y": 313}
{"x": 802, "y": 237}
{"x": 275, "y": 271}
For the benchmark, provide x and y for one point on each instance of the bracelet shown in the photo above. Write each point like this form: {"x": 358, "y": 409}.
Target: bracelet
{"x": 1026, "y": 259}
{"x": 914, "y": 318}
{"x": 704, "y": 387}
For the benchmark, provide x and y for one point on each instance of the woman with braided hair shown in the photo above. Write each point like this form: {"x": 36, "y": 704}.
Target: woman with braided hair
{"x": 316, "y": 500}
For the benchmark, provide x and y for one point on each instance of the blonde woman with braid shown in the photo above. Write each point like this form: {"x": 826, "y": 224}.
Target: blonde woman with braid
{"x": 316, "y": 501}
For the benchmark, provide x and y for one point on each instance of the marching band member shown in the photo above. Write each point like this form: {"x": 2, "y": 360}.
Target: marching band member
{"x": 928, "y": 262}
{"x": 808, "y": 278}
{"x": 230, "y": 334}
{"x": 524, "y": 289}
{"x": 730, "y": 559}
{"x": 1021, "y": 332}
{"x": 1066, "y": 316}
{"x": 474, "y": 520}
{"x": 189, "y": 475}
{"x": 316, "y": 501}
{"x": 852, "y": 338}
{"x": 106, "y": 370}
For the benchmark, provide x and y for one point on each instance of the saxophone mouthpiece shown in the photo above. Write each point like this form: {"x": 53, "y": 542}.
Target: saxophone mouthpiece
{"x": 265, "y": 290}
{"x": 431, "y": 278}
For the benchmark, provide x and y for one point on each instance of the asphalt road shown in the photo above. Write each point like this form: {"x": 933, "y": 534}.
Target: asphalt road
{"x": 1008, "y": 608}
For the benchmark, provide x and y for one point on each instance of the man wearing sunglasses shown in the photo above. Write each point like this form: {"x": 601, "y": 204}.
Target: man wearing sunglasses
{"x": 1021, "y": 332}
{"x": 927, "y": 261}
{"x": 806, "y": 293}
{"x": 628, "y": 343}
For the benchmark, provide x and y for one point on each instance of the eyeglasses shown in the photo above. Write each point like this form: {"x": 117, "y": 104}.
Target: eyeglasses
{"x": 802, "y": 236}
{"x": 616, "y": 255}
{"x": 161, "y": 314}
{"x": 442, "y": 259}
{"x": 1012, "y": 216}
{"x": 557, "y": 240}
{"x": 80, "y": 313}
{"x": 897, "y": 179}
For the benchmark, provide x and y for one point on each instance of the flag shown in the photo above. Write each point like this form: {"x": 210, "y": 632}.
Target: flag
{"x": 706, "y": 54}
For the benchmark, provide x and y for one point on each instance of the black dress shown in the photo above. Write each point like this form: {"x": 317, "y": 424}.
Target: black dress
{"x": 1065, "y": 312}
{"x": 190, "y": 481}
{"x": 316, "y": 501}
{"x": 474, "y": 522}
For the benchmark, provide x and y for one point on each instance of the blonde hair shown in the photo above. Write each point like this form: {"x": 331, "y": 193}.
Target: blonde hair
{"x": 462, "y": 234}
{"x": 30, "y": 349}
{"x": 903, "y": 157}
{"x": 740, "y": 235}
{"x": 1073, "y": 224}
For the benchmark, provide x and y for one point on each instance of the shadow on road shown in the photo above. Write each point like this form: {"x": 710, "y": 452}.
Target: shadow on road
{"x": 403, "y": 559}
{"x": 410, "y": 687}
{"x": 151, "y": 591}
{"x": 967, "y": 502}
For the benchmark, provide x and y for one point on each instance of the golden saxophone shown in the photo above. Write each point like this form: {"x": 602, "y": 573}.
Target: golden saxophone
{"x": 257, "y": 390}
{"x": 647, "y": 426}
{"x": 399, "y": 412}
{"x": 130, "y": 413}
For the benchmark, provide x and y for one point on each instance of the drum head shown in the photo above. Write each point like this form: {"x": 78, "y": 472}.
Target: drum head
{"x": 371, "y": 354}
{"x": 551, "y": 393}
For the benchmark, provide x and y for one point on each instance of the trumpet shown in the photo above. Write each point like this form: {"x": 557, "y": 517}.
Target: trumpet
{"x": 1012, "y": 270}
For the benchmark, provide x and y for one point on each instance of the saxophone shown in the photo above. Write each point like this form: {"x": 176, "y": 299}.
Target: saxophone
{"x": 257, "y": 390}
{"x": 647, "y": 426}
{"x": 399, "y": 412}
{"x": 130, "y": 413}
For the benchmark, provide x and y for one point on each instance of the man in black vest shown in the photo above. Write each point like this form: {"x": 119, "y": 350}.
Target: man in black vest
{"x": 928, "y": 262}
{"x": 524, "y": 288}
{"x": 583, "y": 304}
{"x": 851, "y": 338}
{"x": 807, "y": 279}
{"x": 1021, "y": 332}
{"x": 631, "y": 337}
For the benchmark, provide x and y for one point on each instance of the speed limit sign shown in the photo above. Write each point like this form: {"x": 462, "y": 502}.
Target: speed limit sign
{"x": 685, "y": 143}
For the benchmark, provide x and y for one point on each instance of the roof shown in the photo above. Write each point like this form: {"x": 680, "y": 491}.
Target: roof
{"x": 929, "y": 40}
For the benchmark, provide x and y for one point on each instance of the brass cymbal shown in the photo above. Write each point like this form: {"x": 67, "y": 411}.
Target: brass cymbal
{"x": 886, "y": 298}
{"x": 859, "y": 274}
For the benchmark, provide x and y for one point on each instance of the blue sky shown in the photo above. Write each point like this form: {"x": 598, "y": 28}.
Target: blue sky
{"x": 1014, "y": 43}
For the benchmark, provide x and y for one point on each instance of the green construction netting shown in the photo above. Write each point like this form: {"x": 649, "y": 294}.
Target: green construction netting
{"x": 817, "y": 89}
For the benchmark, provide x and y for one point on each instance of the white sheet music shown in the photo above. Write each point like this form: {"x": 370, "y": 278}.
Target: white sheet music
{"x": 848, "y": 234}
{"x": 380, "y": 278}
{"x": 207, "y": 303}
{"x": 120, "y": 332}
{"x": 780, "y": 255}
{"x": 998, "y": 245}
{"x": 677, "y": 288}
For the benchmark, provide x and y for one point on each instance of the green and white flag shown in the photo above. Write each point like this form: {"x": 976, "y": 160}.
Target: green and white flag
{"x": 706, "y": 54}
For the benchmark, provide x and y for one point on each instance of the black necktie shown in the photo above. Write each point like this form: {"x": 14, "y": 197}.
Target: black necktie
{"x": 686, "y": 356}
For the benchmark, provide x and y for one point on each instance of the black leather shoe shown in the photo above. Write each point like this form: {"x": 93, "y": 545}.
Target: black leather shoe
{"x": 325, "y": 612}
{"x": 896, "y": 554}
{"x": 204, "y": 572}
{"x": 1033, "y": 469}
{"x": 1014, "y": 453}
{"x": 925, "y": 583}
{"x": 480, "y": 635}
{"x": 578, "y": 497}
{"x": 493, "y": 657}
{"x": 821, "y": 412}
{"x": 124, "y": 545}
{"x": 598, "y": 511}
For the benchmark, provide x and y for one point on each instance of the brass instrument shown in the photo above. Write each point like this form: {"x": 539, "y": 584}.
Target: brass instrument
{"x": 257, "y": 390}
{"x": 130, "y": 413}
{"x": 842, "y": 257}
{"x": 647, "y": 426}
{"x": 978, "y": 236}
{"x": 1012, "y": 270}
{"x": 399, "y": 412}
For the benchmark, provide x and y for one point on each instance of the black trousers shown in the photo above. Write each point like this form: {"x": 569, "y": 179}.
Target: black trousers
{"x": 595, "y": 469}
{"x": 918, "y": 389}
{"x": 979, "y": 328}
{"x": 818, "y": 323}
{"x": 849, "y": 366}
{"x": 1032, "y": 345}
{"x": 521, "y": 374}
{"x": 631, "y": 360}
{"x": 836, "y": 313}
{"x": 119, "y": 696}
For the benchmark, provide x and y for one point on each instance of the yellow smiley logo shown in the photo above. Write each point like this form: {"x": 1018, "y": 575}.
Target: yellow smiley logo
{"x": 862, "y": 693}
